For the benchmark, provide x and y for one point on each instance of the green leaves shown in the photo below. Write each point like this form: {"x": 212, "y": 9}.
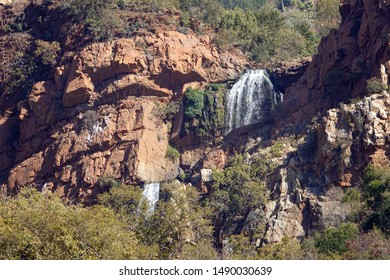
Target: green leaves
{"x": 376, "y": 192}
{"x": 38, "y": 226}
{"x": 194, "y": 103}
{"x": 334, "y": 240}
{"x": 237, "y": 191}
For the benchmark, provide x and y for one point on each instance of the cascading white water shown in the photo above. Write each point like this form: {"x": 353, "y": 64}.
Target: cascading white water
{"x": 151, "y": 195}
{"x": 250, "y": 100}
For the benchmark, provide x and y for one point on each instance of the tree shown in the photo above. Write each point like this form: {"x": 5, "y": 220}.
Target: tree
{"x": 327, "y": 15}
{"x": 100, "y": 17}
{"x": 40, "y": 226}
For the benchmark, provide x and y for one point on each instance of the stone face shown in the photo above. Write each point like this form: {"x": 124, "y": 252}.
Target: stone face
{"x": 346, "y": 58}
{"x": 97, "y": 118}
{"x": 342, "y": 143}
{"x": 158, "y": 64}
{"x": 78, "y": 90}
{"x": 285, "y": 221}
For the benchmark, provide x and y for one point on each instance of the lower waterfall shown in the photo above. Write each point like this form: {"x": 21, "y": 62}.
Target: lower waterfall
{"x": 250, "y": 100}
{"x": 151, "y": 194}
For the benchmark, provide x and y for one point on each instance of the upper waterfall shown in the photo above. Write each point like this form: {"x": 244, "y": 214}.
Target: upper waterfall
{"x": 250, "y": 100}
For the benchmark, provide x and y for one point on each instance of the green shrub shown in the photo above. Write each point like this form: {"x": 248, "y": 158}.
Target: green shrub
{"x": 287, "y": 249}
{"x": 123, "y": 200}
{"x": 23, "y": 73}
{"x": 376, "y": 192}
{"x": 48, "y": 52}
{"x": 277, "y": 149}
{"x": 172, "y": 153}
{"x": 327, "y": 16}
{"x": 108, "y": 182}
{"x": 237, "y": 191}
{"x": 100, "y": 17}
{"x": 178, "y": 223}
{"x": 166, "y": 112}
{"x": 205, "y": 112}
{"x": 375, "y": 85}
{"x": 194, "y": 103}
{"x": 334, "y": 240}
{"x": 351, "y": 195}
{"x": 37, "y": 226}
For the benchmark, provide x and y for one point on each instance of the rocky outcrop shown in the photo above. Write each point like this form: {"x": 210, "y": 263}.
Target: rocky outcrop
{"x": 342, "y": 139}
{"x": 97, "y": 119}
{"x": 333, "y": 156}
{"x": 346, "y": 58}
{"x": 285, "y": 73}
{"x": 158, "y": 65}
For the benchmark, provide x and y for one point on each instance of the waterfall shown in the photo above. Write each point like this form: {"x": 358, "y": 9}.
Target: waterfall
{"x": 250, "y": 100}
{"x": 151, "y": 195}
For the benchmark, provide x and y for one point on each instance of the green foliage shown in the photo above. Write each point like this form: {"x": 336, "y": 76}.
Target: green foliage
{"x": 194, "y": 103}
{"x": 327, "y": 15}
{"x": 108, "y": 182}
{"x": 178, "y": 224}
{"x": 334, "y": 240}
{"x": 48, "y": 52}
{"x": 23, "y": 73}
{"x": 123, "y": 200}
{"x": 243, "y": 4}
{"x": 100, "y": 17}
{"x": 351, "y": 195}
{"x": 205, "y": 112}
{"x": 37, "y": 226}
{"x": 206, "y": 10}
{"x": 287, "y": 249}
{"x": 172, "y": 153}
{"x": 268, "y": 34}
{"x": 237, "y": 27}
{"x": 237, "y": 191}
{"x": 241, "y": 247}
{"x": 166, "y": 112}
{"x": 376, "y": 192}
{"x": 277, "y": 149}
{"x": 375, "y": 85}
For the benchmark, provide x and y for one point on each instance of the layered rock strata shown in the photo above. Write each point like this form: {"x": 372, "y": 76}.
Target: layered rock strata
{"x": 98, "y": 118}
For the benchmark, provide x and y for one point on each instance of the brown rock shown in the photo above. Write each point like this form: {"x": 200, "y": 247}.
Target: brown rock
{"x": 346, "y": 58}
{"x": 215, "y": 159}
{"x": 96, "y": 118}
{"x": 78, "y": 90}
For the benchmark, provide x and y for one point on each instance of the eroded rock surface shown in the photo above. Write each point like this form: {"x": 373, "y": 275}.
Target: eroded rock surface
{"x": 346, "y": 58}
{"x": 335, "y": 152}
{"x": 97, "y": 119}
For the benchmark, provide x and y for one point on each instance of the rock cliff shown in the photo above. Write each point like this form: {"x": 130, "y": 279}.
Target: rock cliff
{"x": 97, "y": 117}
{"x": 346, "y": 58}
{"x": 345, "y": 127}
{"x": 98, "y": 120}
{"x": 306, "y": 189}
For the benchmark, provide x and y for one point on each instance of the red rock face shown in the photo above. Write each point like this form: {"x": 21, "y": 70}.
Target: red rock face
{"x": 97, "y": 118}
{"x": 346, "y": 58}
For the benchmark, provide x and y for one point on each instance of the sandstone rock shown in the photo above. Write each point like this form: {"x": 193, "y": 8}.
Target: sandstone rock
{"x": 215, "y": 159}
{"x": 78, "y": 90}
{"x": 97, "y": 119}
{"x": 285, "y": 221}
{"x": 161, "y": 63}
{"x": 190, "y": 158}
{"x": 355, "y": 50}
